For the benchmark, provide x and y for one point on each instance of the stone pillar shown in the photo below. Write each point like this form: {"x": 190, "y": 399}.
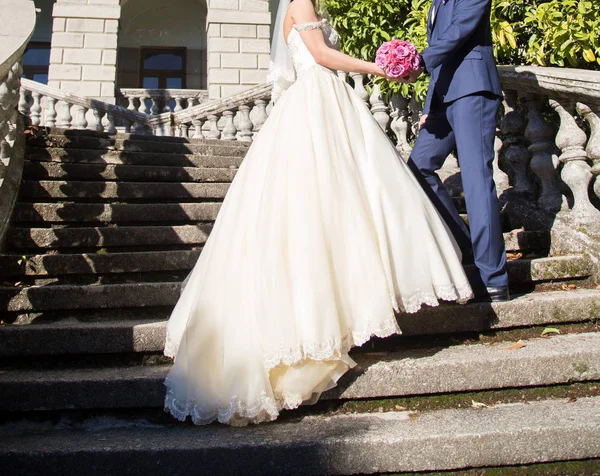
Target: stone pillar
{"x": 238, "y": 45}
{"x": 84, "y": 47}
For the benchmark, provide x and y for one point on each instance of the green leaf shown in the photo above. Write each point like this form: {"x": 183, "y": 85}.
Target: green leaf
{"x": 550, "y": 330}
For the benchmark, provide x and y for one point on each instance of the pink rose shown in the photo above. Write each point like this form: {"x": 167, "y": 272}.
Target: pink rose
{"x": 402, "y": 52}
{"x": 384, "y": 49}
{"x": 416, "y": 62}
{"x": 396, "y": 71}
{"x": 381, "y": 61}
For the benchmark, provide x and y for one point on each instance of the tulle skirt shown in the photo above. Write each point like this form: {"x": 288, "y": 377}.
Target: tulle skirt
{"x": 323, "y": 236}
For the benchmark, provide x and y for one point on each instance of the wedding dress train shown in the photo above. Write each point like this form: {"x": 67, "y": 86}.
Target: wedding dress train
{"x": 323, "y": 234}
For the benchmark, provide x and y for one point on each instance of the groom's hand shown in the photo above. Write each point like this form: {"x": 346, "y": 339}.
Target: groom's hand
{"x": 412, "y": 77}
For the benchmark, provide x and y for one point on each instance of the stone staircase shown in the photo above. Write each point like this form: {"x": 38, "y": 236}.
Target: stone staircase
{"x": 106, "y": 228}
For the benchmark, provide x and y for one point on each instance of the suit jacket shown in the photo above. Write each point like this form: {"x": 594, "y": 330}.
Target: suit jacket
{"x": 460, "y": 57}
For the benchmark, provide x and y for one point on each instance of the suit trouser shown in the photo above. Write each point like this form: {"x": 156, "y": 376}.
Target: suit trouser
{"x": 469, "y": 126}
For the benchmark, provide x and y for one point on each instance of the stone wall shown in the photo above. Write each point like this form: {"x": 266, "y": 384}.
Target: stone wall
{"x": 238, "y": 45}
{"x": 84, "y": 47}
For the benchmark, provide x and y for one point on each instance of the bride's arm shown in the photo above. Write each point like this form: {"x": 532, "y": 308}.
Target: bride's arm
{"x": 303, "y": 12}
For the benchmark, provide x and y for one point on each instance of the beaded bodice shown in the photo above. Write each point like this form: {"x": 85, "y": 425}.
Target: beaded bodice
{"x": 301, "y": 57}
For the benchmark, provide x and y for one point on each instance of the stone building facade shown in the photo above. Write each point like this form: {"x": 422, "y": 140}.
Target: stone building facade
{"x": 95, "y": 48}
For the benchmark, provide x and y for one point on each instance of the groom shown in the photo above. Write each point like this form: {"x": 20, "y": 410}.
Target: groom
{"x": 460, "y": 113}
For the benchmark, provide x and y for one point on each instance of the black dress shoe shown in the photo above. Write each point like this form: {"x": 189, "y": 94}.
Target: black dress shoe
{"x": 498, "y": 293}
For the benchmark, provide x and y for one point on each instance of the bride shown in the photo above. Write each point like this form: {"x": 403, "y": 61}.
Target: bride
{"x": 324, "y": 234}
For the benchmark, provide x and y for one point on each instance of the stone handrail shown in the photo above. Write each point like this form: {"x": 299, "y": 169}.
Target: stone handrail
{"x": 14, "y": 38}
{"x": 50, "y": 107}
{"x": 564, "y": 83}
{"x": 135, "y": 99}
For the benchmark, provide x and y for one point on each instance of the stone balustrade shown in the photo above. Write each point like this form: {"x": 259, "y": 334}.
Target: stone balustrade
{"x": 158, "y": 101}
{"x": 551, "y": 157}
{"x": 50, "y": 107}
{"x": 14, "y": 38}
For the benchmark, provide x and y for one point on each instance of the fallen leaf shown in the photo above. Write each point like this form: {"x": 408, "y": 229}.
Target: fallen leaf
{"x": 568, "y": 287}
{"x": 571, "y": 400}
{"x": 475, "y": 404}
{"x": 513, "y": 256}
{"x": 399, "y": 408}
{"x": 550, "y": 330}
{"x": 517, "y": 345}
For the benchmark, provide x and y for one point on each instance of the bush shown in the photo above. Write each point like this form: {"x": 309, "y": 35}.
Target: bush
{"x": 541, "y": 32}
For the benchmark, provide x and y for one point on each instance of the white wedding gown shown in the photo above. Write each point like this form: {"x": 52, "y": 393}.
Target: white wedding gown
{"x": 323, "y": 234}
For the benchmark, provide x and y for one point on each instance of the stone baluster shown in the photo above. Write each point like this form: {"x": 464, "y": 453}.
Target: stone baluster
{"x": 131, "y": 103}
{"x": 197, "y": 123}
{"x": 184, "y": 130}
{"x": 245, "y": 124}
{"x": 79, "y": 120}
{"x": 127, "y": 123}
{"x": 24, "y": 102}
{"x": 64, "y": 115}
{"x": 213, "y": 128}
{"x": 359, "y": 87}
{"x": 191, "y": 102}
{"x": 167, "y": 106}
{"x": 9, "y": 100}
{"x": 593, "y": 145}
{"x": 379, "y": 109}
{"x": 143, "y": 107}
{"x": 416, "y": 109}
{"x": 229, "y": 130}
{"x": 399, "y": 114}
{"x": 576, "y": 171}
{"x": 51, "y": 112}
{"x": 269, "y": 108}
{"x": 514, "y": 153}
{"x": 258, "y": 116}
{"x": 112, "y": 127}
{"x": 36, "y": 109}
{"x": 501, "y": 179}
{"x": 540, "y": 134}
{"x": 178, "y": 105}
{"x": 154, "y": 109}
{"x": 98, "y": 116}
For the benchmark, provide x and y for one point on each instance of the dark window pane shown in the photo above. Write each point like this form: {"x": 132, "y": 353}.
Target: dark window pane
{"x": 41, "y": 78}
{"x": 164, "y": 61}
{"x": 150, "y": 83}
{"x": 37, "y": 57}
{"x": 174, "y": 83}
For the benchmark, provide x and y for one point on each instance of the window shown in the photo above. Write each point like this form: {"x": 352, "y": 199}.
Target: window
{"x": 36, "y": 61}
{"x": 163, "y": 68}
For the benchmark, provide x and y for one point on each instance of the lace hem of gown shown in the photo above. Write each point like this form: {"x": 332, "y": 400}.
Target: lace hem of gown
{"x": 239, "y": 413}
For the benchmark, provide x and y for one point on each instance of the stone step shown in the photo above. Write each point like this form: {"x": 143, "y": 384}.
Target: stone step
{"x": 41, "y": 298}
{"x": 100, "y": 237}
{"x": 544, "y": 361}
{"x": 98, "y": 263}
{"x": 80, "y": 213}
{"x": 133, "y": 236}
{"x": 125, "y": 173}
{"x": 221, "y": 158}
{"x": 520, "y": 271}
{"x": 362, "y": 443}
{"x": 139, "y": 145}
{"x": 143, "y": 330}
{"x": 32, "y": 190}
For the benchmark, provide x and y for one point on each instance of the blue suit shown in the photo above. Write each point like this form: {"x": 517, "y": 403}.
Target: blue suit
{"x": 462, "y": 103}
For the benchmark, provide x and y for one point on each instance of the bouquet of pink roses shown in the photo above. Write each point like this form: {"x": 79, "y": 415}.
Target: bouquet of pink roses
{"x": 398, "y": 58}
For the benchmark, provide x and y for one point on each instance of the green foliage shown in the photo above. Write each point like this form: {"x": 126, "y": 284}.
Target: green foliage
{"x": 565, "y": 33}
{"x": 542, "y": 32}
